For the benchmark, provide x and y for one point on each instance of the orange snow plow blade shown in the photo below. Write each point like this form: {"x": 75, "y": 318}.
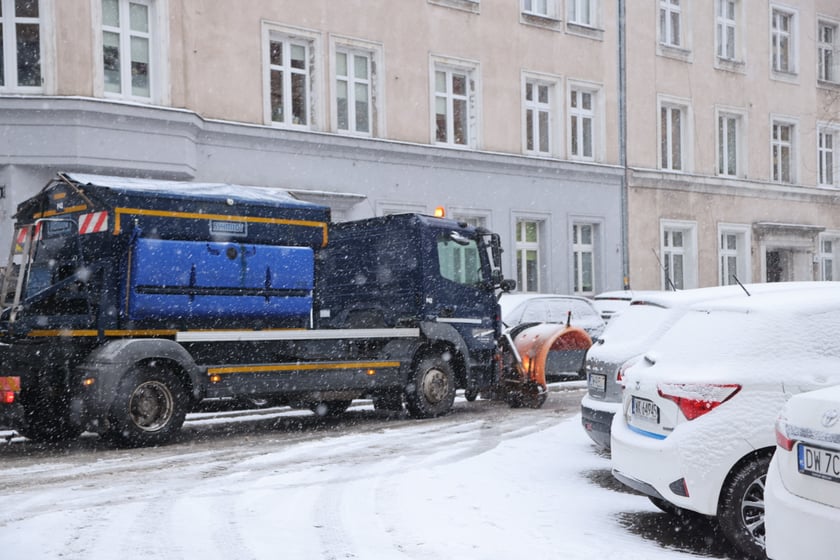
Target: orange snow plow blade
{"x": 535, "y": 343}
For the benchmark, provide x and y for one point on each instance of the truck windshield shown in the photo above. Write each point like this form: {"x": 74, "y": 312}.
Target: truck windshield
{"x": 55, "y": 278}
{"x": 460, "y": 259}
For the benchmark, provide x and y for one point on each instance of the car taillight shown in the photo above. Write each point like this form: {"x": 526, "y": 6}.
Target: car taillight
{"x": 624, "y": 367}
{"x": 696, "y": 399}
{"x": 782, "y": 439}
{"x": 7, "y": 397}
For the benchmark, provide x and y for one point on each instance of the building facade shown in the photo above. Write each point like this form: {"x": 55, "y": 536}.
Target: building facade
{"x": 500, "y": 112}
{"x": 733, "y": 122}
{"x": 611, "y": 143}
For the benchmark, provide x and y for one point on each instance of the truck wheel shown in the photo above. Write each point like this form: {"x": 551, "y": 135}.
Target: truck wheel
{"x": 150, "y": 407}
{"x": 741, "y": 508}
{"x": 432, "y": 391}
{"x": 330, "y": 408}
{"x": 471, "y": 393}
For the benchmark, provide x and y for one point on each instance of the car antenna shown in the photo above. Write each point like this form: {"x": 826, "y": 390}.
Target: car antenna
{"x": 735, "y": 277}
{"x": 667, "y": 276}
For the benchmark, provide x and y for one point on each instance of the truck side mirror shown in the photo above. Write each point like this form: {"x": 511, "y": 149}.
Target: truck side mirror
{"x": 507, "y": 285}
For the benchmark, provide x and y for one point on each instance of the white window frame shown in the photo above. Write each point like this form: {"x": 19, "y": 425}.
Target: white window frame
{"x": 578, "y": 114}
{"x": 829, "y": 259}
{"x": 790, "y": 37}
{"x": 46, "y": 47}
{"x": 540, "y": 8}
{"x": 688, "y": 252}
{"x": 828, "y": 155}
{"x": 471, "y": 70}
{"x": 741, "y": 253}
{"x": 828, "y": 52}
{"x": 777, "y": 145}
{"x": 722, "y": 156}
{"x": 375, "y": 82}
{"x": 552, "y": 106}
{"x": 158, "y": 54}
{"x": 583, "y": 12}
{"x": 579, "y": 248}
{"x": 311, "y": 41}
{"x": 726, "y": 47}
{"x": 668, "y": 11}
{"x": 665, "y": 133}
{"x": 523, "y": 247}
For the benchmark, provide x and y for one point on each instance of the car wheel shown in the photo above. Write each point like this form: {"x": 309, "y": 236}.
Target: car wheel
{"x": 741, "y": 507}
{"x": 432, "y": 390}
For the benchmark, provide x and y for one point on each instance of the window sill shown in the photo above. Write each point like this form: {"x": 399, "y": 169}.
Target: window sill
{"x": 471, "y": 6}
{"x": 544, "y": 22}
{"x": 731, "y": 65}
{"x": 676, "y": 53}
{"x": 583, "y": 30}
{"x": 789, "y": 77}
{"x": 828, "y": 85}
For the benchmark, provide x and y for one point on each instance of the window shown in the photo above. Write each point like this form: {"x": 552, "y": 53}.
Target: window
{"x": 582, "y": 12}
{"x": 678, "y": 256}
{"x": 829, "y": 249}
{"x": 459, "y": 263}
{"x": 455, "y": 111}
{"x": 582, "y": 103}
{"x": 733, "y": 254}
{"x": 583, "y": 254}
{"x": 783, "y": 41}
{"x": 289, "y": 69}
{"x": 673, "y": 136}
{"x": 729, "y": 141}
{"x": 20, "y": 45}
{"x": 527, "y": 255}
{"x": 827, "y": 58}
{"x": 827, "y": 163}
{"x": 670, "y": 23}
{"x": 543, "y": 8}
{"x": 353, "y": 91}
{"x": 782, "y": 152}
{"x": 726, "y": 28}
{"x": 127, "y": 48}
{"x": 539, "y": 96}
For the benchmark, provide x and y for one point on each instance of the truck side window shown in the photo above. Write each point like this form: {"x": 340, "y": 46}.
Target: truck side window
{"x": 459, "y": 263}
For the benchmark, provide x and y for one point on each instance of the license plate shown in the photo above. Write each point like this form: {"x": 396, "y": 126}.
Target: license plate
{"x": 598, "y": 382}
{"x": 818, "y": 462}
{"x": 643, "y": 409}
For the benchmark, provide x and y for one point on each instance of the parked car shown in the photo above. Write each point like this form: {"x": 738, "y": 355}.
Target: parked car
{"x": 610, "y": 303}
{"x": 631, "y": 333}
{"x": 802, "y": 493}
{"x": 695, "y": 431}
{"x": 527, "y": 308}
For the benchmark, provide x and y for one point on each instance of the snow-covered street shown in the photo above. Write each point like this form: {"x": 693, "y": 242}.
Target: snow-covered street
{"x": 484, "y": 482}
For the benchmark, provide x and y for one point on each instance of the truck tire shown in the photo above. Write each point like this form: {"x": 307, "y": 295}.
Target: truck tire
{"x": 149, "y": 409}
{"x": 741, "y": 507}
{"x": 432, "y": 390}
{"x": 328, "y": 409}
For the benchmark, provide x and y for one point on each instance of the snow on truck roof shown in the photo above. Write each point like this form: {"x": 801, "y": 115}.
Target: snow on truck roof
{"x": 177, "y": 189}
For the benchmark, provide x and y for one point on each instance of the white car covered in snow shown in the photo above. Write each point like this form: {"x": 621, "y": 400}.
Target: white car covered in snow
{"x": 696, "y": 427}
{"x": 802, "y": 494}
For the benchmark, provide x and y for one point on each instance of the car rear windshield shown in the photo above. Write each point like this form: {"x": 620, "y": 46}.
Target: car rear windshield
{"x": 641, "y": 321}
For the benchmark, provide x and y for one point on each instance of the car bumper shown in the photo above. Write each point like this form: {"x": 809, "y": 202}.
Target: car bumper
{"x": 662, "y": 468}
{"x": 596, "y": 418}
{"x": 796, "y": 527}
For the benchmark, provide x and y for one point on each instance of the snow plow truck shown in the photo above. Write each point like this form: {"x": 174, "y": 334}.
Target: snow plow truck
{"x": 127, "y": 302}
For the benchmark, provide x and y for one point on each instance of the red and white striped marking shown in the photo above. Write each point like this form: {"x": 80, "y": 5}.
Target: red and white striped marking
{"x": 95, "y": 222}
{"x": 23, "y": 232}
